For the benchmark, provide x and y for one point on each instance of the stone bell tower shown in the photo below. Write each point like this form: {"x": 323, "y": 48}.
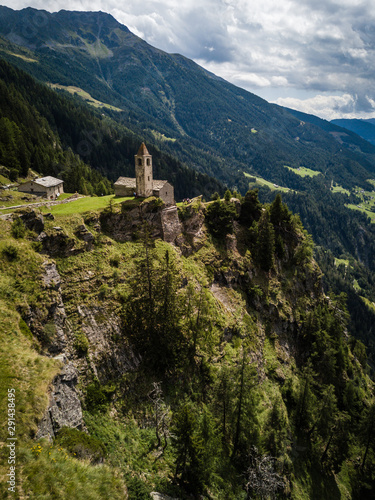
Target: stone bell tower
{"x": 143, "y": 172}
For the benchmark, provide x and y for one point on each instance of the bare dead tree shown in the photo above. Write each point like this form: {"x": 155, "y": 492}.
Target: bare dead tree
{"x": 161, "y": 416}
{"x": 262, "y": 480}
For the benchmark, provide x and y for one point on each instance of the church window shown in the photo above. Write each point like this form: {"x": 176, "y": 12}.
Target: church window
{"x": 148, "y": 161}
{"x": 139, "y": 161}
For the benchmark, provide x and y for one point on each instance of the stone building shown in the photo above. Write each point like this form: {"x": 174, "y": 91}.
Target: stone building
{"x": 144, "y": 184}
{"x": 48, "y": 187}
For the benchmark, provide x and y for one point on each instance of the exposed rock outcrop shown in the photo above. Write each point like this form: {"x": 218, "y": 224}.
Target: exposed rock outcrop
{"x": 84, "y": 234}
{"x": 124, "y": 226}
{"x": 171, "y": 225}
{"x": 57, "y": 315}
{"x": 64, "y": 409}
{"x": 57, "y": 243}
{"x": 33, "y": 221}
{"x": 109, "y": 354}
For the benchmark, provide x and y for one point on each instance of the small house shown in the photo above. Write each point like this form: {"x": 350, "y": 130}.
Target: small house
{"x": 48, "y": 187}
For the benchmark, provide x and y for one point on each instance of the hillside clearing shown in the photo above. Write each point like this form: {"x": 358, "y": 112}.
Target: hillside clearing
{"x": 260, "y": 181}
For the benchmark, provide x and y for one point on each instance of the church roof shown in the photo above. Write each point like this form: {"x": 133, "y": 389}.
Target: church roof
{"x": 142, "y": 151}
{"x": 131, "y": 183}
{"x": 125, "y": 181}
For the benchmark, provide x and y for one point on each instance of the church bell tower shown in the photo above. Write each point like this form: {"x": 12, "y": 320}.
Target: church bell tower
{"x": 143, "y": 172}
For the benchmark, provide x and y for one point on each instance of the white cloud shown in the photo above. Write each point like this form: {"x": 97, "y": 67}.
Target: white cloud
{"x": 330, "y": 107}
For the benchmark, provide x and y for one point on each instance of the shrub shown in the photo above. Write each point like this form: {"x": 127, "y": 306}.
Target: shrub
{"x": 103, "y": 291}
{"x": 137, "y": 489}
{"x": 10, "y": 252}
{"x": 25, "y": 330}
{"x": 81, "y": 344}
{"x": 98, "y": 397}
{"x": 115, "y": 261}
{"x": 48, "y": 333}
{"x": 81, "y": 445}
{"x": 18, "y": 228}
{"x": 37, "y": 246}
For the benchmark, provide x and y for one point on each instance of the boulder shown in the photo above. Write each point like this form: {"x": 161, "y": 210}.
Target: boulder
{"x": 33, "y": 221}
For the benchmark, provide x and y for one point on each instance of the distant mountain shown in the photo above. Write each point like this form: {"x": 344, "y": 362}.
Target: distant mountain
{"x": 364, "y": 128}
{"x": 202, "y": 120}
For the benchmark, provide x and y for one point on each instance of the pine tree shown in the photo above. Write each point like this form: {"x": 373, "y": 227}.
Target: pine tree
{"x": 265, "y": 247}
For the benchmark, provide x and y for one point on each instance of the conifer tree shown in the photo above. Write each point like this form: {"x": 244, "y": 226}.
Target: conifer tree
{"x": 265, "y": 247}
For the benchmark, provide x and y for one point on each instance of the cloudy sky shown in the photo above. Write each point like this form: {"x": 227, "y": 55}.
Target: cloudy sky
{"x": 317, "y": 56}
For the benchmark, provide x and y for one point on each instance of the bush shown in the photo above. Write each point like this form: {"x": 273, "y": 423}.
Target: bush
{"x": 48, "y": 333}
{"x": 10, "y": 252}
{"x": 98, "y": 397}
{"x": 81, "y": 344}
{"x": 103, "y": 291}
{"x": 81, "y": 445}
{"x": 115, "y": 261}
{"x": 25, "y": 330}
{"x": 18, "y": 228}
{"x": 137, "y": 489}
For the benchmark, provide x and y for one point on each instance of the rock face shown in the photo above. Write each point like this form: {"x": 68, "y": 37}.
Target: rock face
{"x": 52, "y": 281}
{"x": 64, "y": 409}
{"x": 171, "y": 226}
{"x": 108, "y": 359}
{"x": 84, "y": 234}
{"x": 57, "y": 243}
{"x": 124, "y": 226}
{"x": 33, "y": 221}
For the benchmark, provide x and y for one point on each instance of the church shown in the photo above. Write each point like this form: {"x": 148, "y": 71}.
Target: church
{"x": 144, "y": 184}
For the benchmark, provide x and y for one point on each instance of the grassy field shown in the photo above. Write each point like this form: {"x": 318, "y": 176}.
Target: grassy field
{"x": 303, "y": 171}
{"x": 85, "y": 96}
{"x": 11, "y": 198}
{"x": 263, "y": 182}
{"x": 341, "y": 261}
{"x": 367, "y": 204}
{"x": 84, "y": 205}
{"x": 336, "y": 188}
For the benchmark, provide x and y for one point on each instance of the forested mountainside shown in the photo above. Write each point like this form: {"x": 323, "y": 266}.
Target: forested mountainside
{"x": 60, "y": 136}
{"x": 191, "y": 351}
{"x": 364, "y": 128}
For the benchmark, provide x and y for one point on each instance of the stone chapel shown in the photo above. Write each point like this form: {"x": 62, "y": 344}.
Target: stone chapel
{"x": 144, "y": 184}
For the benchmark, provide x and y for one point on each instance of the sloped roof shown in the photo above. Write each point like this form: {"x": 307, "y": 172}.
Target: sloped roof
{"x": 156, "y": 185}
{"x": 142, "y": 151}
{"x": 126, "y": 181}
{"x": 48, "y": 181}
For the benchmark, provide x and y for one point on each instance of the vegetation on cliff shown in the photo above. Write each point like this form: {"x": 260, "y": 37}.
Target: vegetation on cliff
{"x": 215, "y": 367}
